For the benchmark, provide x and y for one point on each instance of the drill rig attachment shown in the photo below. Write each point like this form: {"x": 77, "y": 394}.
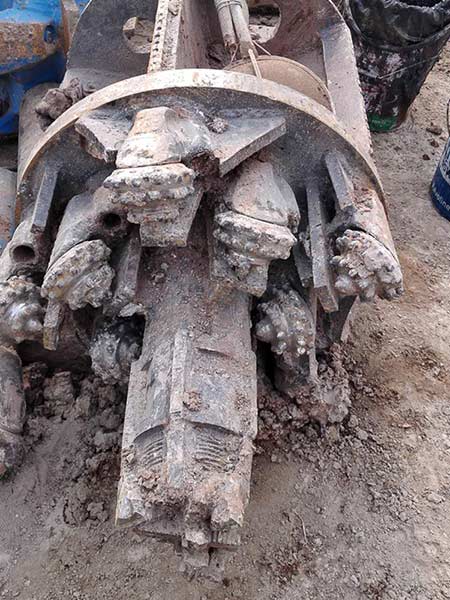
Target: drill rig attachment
{"x": 193, "y": 186}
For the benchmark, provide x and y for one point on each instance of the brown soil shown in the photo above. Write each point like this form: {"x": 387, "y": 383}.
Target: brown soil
{"x": 359, "y": 513}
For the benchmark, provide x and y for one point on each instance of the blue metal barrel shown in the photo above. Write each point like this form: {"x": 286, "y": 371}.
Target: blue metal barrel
{"x": 440, "y": 186}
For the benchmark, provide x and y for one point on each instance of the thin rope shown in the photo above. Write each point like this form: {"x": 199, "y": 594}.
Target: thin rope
{"x": 262, "y": 48}
{"x": 255, "y": 65}
{"x": 407, "y": 68}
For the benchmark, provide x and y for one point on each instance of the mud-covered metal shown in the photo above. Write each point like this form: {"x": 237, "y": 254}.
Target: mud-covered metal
{"x": 199, "y": 219}
{"x": 8, "y": 185}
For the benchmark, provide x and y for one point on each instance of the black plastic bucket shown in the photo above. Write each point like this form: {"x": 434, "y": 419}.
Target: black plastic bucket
{"x": 392, "y": 76}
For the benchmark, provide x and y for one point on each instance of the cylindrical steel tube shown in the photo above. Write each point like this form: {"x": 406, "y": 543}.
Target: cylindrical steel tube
{"x": 226, "y": 24}
{"x": 243, "y": 35}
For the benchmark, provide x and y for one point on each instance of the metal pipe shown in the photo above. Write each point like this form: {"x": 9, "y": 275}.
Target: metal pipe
{"x": 8, "y": 182}
{"x": 241, "y": 27}
{"x": 12, "y": 410}
{"x": 226, "y": 24}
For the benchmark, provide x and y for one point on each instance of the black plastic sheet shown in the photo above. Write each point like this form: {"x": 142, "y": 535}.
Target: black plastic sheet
{"x": 398, "y": 23}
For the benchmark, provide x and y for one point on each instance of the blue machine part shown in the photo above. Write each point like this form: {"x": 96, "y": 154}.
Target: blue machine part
{"x": 31, "y": 52}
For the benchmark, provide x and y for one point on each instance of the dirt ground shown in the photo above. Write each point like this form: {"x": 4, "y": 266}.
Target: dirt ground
{"x": 361, "y": 512}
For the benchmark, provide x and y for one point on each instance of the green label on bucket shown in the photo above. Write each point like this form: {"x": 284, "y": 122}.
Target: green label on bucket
{"x": 381, "y": 124}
